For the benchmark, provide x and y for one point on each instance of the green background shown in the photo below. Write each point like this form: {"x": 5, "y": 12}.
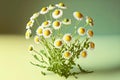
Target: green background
{"x": 14, "y": 58}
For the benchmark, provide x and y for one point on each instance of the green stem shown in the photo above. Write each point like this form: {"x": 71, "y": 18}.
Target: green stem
{"x": 37, "y": 22}
{"x": 39, "y": 55}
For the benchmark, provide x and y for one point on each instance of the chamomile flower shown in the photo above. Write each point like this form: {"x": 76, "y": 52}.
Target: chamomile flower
{"x": 67, "y": 55}
{"x": 30, "y": 48}
{"x": 56, "y": 24}
{"x": 58, "y": 43}
{"x": 66, "y": 21}
{"x": 61, "y": 5}
{"x": 90, "y": 33}
{"x": 57, "y": 13}
{"x": 78, "y": 15}
{"x": 44, "y": 10}
{"x": 81, "y": 31}
{"x": 35, "y": 15}
{"x": 39, "y": 31}
{"x": 30, "y": 24}
{"x": 67, "y": 38}
{"x": 51, "y": 7}
{"x": 89, "y": 21}
{"x": 28, "y": 33}
{"x": 46, "y": 23}
{"x": 47, "y": 32}
{"x": 83, "y": 53}
{"x": 36, "y": 39}
{"x": 91, "y": 45}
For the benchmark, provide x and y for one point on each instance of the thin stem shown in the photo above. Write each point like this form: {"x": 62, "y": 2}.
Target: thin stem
{"x": 39, "y": 54}
{"x": 50, "y": 16}
{"x": 37, "y": 22}
{"x": 45, "y": 17}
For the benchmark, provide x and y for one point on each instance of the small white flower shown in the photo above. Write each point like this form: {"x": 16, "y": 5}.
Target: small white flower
{"x": 89, "y": 21}
{"x": 81, "y": 31}
{"x": 90, "y": 33}
{"x": 58, "y": 43}
{"x": 35, "y": 15}
{"x": 83, "y": 53}
{"x": 78, "y": 15}
{"x": 67, "y": 55}
{"x": 30, "y": 24}
{"x": 46, "y": 23}
{"x": 66, "y": 21}
{"x": 47, "y": 32}
{"x": 51, "y": 7}
{"x": 67, "y": 38}
{"x": 61, "y": 5}
{"x": 30, "y": 48}
{"x": 36, "y": 39}
{"x": 91, "y": 45}
{"x": 57, "y": 13}
{"x": 44, "y": 10}
{"x": 39, "y": 31}
{"x": 56, "y": 24}
{"x": 28, "y": 34}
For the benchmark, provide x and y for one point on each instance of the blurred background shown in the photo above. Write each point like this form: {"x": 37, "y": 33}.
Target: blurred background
{"x": 14, "y": 58}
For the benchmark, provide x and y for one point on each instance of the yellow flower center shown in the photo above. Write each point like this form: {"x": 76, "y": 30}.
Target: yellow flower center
{"x": 29, "y": 23}
{"x": 67, "y": 54}
{"x": 79, "y": 15}
{"x": 68, "y": 38}
{"x": 40, "y": 31}
{"x": 56, "y": 12}
{"x": 61, "y": 4}
{"x": 58, "y": 43}
{"x": 92, "y": 45}
{"x": 82, "y": 30}
{"x": 27, "y": 34}
{"x": 90, "y": 32}
{"x": 44, "y": 9}
{"x": 90, "y": 20}
{"x": 84, "y": 54}
{"x": 46, "y": 23}
{"x": 47, "y": 32}
{"x": 56, "y": 23}
{"x": 36, "y": 39}
{"x": 30, "y": 48}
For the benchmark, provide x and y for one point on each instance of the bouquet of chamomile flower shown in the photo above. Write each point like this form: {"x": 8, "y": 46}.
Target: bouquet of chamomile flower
{"x": 60, "y": 48}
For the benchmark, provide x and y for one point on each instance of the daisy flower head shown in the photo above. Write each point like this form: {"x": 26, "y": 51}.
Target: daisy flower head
{"x": 39, "y": 31}
{"x": 44, "y": 10}
{"x": 46, "y": 23}
{"x": 28, "y": 34}
{"x": 57, "y": 13}
{"x": 67, "y": 55}
{"x": 61, "y": 5}
{"x": 51, "y": 7}
{"x": 78, "y": 15}
{"x": 90, "y": 33}
{"x": 30, "y": 24}
{"x": 67, "y": 38}
{"x": 35, "y": 15}
{"x": 81, "y": 31}
{"x": 58, "y": 43}
{"x": 47, "y": 32}
{"x": 56, "y": 24}
{"x": 91, "y": 45}
{"x": 83, "y": 53}
{"x": 89, "y": 21}
{"x": 36, "y": 39}
{"x": 66, "y": 21}
{"x": 30, "y": 48}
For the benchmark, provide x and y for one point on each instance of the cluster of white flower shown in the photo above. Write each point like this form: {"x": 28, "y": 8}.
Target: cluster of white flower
{"x": 47, "y": 28}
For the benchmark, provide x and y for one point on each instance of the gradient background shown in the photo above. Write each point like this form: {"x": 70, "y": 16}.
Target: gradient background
{"x": 104, "y": 60}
